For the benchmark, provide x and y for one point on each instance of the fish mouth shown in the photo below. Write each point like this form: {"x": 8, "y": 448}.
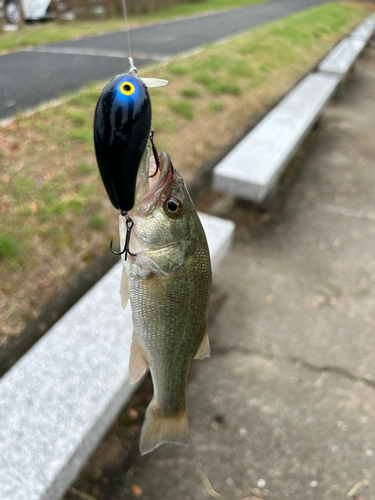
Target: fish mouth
{"x": 152, "y": 178}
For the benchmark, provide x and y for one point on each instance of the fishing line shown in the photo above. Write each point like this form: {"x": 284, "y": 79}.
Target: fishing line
{"x": 133, "y": 69}
{"x": 129, "y": 221}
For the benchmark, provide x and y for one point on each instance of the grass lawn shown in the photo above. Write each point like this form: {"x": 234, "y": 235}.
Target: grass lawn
{"x": 58, "y": 31}
{"x": 56, "y": 216}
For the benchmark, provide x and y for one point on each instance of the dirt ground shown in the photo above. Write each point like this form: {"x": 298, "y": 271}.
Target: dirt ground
{"x": 285, "y": 407}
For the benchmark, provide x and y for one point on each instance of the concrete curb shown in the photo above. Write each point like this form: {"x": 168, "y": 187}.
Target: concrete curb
{"x": 340, "y": 61}
{"x": 59, "y": 400}
{"x": 253, "y": 168}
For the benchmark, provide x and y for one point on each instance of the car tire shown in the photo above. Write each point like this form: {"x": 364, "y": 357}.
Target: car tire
{"x": 13, "y": 12}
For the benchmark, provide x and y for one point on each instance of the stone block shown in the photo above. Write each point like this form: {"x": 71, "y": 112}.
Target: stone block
{"x": 364, "y": 31}
{"x": 371, "y": 19}
{"x": 251, "y": 170}
{"x": 59, "y": 400}
{"x": 341, "y": 59}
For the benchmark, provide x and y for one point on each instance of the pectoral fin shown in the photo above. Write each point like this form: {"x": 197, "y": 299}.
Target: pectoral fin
{"x": 204, "y": 349}
{"x": 124, "y": 289}
{"x": 138, "y": 364}
{"x": 165, "y": 261}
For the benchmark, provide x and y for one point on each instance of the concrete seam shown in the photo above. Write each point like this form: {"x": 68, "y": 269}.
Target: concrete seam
{"x": 334, "y": 370}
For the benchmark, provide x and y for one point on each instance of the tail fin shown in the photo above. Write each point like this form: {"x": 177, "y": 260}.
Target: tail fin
{"x": 162, "y": 427}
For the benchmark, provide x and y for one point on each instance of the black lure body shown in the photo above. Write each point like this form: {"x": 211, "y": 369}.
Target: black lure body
{"x": 122, "y": 126}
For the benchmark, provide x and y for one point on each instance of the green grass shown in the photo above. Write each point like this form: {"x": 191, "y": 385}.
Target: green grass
{"x": 83, "y": 135}
{"x": 84, "y": 168}
{"x": 76, "y": 117}
{"x": 164, "y": 124}
{"x": 216, "y": 106}
{"x": 7, "y": 246}
{"x": 190, "y": 93}
{"x": 97, "y": 222}
{"x": 205, "y": 79}
{"x": 201, "y": 7}
{"x": 214, "y": 84}
{"x": 66, "y": 30}
{"x": 54, "y": 32}
{"x": 182, "y": 108}
{"x": 56, "y": 216}
{"x": 175, "y": 69}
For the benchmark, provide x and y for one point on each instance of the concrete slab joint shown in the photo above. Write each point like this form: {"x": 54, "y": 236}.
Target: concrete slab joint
{"x": 58, "y": 401}
{"x": 364, "y": 31}
{"x": 342, "y": 58}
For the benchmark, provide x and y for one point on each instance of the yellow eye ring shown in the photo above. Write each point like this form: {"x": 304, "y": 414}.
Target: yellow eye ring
{"x": 127, "y": 88}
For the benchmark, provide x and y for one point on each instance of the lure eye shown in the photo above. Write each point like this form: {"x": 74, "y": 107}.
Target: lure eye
{"x": 173, "y": 207}
{"x": 127, "y": 88}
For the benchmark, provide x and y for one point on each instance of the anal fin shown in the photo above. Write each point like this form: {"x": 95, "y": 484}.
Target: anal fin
{"x": 204, "y": 350}
{"x": 138, "y": 363}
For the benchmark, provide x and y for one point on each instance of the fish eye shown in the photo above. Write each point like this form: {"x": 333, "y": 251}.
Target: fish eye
{"x": 127, "y": 88}
{"x": 173, "y": 207}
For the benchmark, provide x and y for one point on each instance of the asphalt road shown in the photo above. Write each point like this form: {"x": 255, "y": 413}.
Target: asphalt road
{"x": 30, "y": 77}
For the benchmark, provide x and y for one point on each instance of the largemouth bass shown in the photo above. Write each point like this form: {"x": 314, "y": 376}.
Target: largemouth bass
{"x": 168, "y": 281}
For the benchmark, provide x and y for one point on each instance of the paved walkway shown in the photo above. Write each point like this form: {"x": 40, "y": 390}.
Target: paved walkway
{"x": 28, "y": 78}
{"x": 285, "y": 408}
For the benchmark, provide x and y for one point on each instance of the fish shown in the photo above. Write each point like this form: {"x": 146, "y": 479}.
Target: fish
{"x": 168, "y": 279}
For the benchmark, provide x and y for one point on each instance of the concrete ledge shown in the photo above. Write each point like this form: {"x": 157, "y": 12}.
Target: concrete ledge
{"x": 371, "y": 19}
{"x": 251, "y": 170}
{"x": 341, "y": 59}
{"x": 364, "y": 31}
{"x": 59, "y": 400}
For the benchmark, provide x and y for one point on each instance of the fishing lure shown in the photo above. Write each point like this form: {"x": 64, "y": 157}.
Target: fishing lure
{"x": 122, "y": 127}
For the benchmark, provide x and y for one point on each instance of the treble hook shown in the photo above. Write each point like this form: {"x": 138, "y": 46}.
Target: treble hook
{"x": 129, "y": 227}
{"x": 155, "y": 152}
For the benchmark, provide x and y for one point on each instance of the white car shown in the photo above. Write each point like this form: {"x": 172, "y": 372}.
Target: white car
{"x": 18, "y": 10}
